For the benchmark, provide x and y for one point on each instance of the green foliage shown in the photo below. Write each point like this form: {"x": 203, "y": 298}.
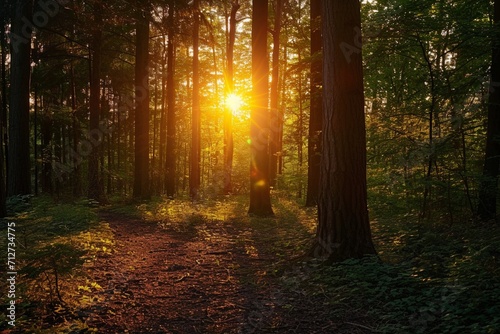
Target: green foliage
{"x": 54, "y": 241}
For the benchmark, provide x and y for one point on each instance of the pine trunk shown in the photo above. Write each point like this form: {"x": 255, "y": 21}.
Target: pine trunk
{"x": 171, "y": 157}
{"x": 194, "y": 178}
{"x": 260, "y": 197}
{"x": 344, "y": 228}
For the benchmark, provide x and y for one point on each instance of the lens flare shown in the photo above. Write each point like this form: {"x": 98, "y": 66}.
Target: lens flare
{"x": 234, "y": 103}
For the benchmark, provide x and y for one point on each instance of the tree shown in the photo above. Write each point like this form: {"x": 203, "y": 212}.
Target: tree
{"x": 489, "y": 186}
{"x": 275, "y": 110}
{"x": 171, "y": 119}
{"x": 19, "y": 177}
{"x": 228, "y": 116}
{"x": 260, "y": 197}
{"x": 95, "y": 186}
{"x": 343, "y": 230}
{"x": 194, "y": 177}
{"x": 315, "y": 115}
{"x": 141, "y": 167}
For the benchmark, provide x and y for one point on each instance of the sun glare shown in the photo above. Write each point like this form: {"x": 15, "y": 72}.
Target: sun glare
{"x": 234, "y": 103}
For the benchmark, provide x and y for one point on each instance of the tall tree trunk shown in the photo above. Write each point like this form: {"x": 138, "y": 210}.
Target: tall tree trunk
{"x": 488, "y": 191}
{"x": 141, "y": 165}
{"x": 95, "y": 186}
{"x": 344, "y": 229}
{"x": 194, "y": 178}
{"x": 228, "y": 116}
{"x": 76, "y": 163}
{"x": 19, "y": 177}
{"x": 171, "y": 157}
{"x": 315, "y": 115}
{"x": 47, "y": 136}
{"x": 275, "y": 111}
{"x": 260, "y": 198}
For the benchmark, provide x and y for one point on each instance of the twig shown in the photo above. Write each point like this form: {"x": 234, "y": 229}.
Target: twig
{"x": 361, "y": 326}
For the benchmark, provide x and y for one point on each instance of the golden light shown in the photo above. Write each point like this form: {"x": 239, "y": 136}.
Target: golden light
{"x": 234, "y": 103}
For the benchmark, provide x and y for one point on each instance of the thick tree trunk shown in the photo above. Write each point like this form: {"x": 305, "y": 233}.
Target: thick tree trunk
{"x": 344, "y": 229}
{"x": 228, "y": 116}
{"x": 275, "y": 125}
{"x": 194, "y": 178}
{"x": 315, "y": 116}
{"x": 487, "y": 209}
{"x": 260, "y": 198}
{"x": 141, "y": 169}
{"x": 171, "y": 158}
{"x": 19, "y": 177}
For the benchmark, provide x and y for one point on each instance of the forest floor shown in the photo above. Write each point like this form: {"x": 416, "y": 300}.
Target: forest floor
{"x": 174, "y": 266}
{"x": 208, "y": 276}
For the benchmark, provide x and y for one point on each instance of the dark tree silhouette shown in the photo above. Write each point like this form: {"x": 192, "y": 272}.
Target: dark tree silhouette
{"x": 141, "y": 172}
{"x": 260, "y": 197}
{"x": 275, "y": 114}
{"x": 194, "y": 178}
{"x": 315, "y": 116}
{"x": 343, "y": 229}
{"x": 228, "y": 116}
{"x": 488, "y": 191}
{"x": 19, "y": 175}
{"x": 95, "y": 186}
{"x": 171, "y": 119}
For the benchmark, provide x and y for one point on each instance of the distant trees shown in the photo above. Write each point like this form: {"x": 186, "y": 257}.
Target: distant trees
{"x": 343, "y": 228}
{"x": 260, "y": 198}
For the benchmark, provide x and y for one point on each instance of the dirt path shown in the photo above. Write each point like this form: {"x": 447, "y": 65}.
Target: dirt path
{"x": 207, "y": 277}
{"x": 162, "y": 281}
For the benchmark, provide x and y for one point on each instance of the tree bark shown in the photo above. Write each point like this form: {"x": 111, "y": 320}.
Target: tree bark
{"x": 489, "y": 186}
{"x": 275, "y": 112}
{"x": 194, "y": 178}
{"x": 171, "y": 157}
{"x": 19, "y": 177}
{"x": 141, "y": 165}
{"x": 260, "y": 198}
{"x": 315, "y": 115}
{"x": 344, "y": 228}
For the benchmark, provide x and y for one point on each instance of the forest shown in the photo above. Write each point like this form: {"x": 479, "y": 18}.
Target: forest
{"x": 264, "y": 166}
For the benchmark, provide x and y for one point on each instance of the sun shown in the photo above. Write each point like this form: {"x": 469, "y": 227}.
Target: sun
{"x": 234, "y": 103}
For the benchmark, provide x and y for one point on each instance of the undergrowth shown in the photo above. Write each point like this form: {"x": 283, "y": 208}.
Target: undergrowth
{"x": 428, "y": 277}
{"x": 54, "y": 244}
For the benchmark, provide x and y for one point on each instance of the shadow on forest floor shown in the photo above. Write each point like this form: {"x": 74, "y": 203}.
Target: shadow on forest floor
{"x": 172, "y": 266}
